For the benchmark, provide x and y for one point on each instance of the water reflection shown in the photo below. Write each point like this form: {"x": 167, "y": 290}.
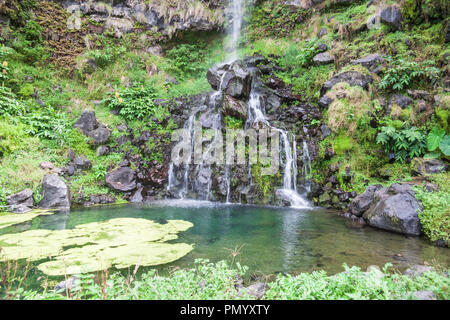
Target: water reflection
{"x": 270, "y": 239}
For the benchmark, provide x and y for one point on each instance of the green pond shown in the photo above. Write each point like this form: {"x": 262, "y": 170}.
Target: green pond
{"x": 269, "y": 239}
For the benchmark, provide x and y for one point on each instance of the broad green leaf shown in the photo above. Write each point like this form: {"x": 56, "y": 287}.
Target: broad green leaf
{"x": 434, "y": 138}
{"x": 445, "y": 145}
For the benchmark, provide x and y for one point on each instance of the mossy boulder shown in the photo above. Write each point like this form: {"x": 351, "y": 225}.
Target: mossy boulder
{"x": 421, "y": 166}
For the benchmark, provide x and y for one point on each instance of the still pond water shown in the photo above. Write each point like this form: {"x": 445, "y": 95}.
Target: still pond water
{"x": 269, "y": 239}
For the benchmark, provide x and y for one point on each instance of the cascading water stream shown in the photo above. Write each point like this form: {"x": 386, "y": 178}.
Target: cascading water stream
{"x": 256, "y": 116}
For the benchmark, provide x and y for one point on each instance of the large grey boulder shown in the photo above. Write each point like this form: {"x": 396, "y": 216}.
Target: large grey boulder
{"x": 100, "y": 135}
{"x": 20, "y": 202}
{"x": 391, "y": 16}
{"x": 56, "y": 193}
{"x": 353, "y": 78}
{"x": 122, "y": 179}
{"x": 395, "y": 209}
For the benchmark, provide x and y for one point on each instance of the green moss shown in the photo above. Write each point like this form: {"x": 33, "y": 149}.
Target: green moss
{"x": 343, "y": 144}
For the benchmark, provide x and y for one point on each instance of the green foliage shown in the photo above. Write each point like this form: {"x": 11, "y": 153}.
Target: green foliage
{"x": 415, "y": 12}
{"x": 296, "y": 56}
{"x": 9, "y": 105}
{"x": 188, "y": 59}
{"x": 11, "y": 136}
{"x": 18, "y": 10}
{"x": 442, "y": 115}
{"x": 136, "y": 103}
{"x": 217, "y": 282}
{"x": 106, "y": 56}
{"x": 28, "y": 43}
{"x": 46, "y": 123}
{"x": 342, "y": 144}
{"x": 272, "y": 19}
{"x": 354, "y": 284}
{"x": 435, "y": 217}
{"x": 403, "y": 74}
{"x": 233, "y": 123}
{"x": 405, "y": 143}
{"x": 438, "y": 139}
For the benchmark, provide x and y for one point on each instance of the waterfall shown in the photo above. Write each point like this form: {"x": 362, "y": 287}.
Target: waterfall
{"x": 236, "y": 8}
{"x": 256, "y": 118}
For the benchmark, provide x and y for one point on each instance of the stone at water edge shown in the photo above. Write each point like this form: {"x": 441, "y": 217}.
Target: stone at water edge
{"x": 417, "y": 270}
{"x": 395, "y": 209}
{"x": 23, "y": 198}
{"x": 56, "y": 193}
{"x": 363, "y": 202}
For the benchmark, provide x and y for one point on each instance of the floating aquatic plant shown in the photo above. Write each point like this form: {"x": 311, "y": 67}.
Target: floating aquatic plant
{"x": 118, "y": 243}
{"x": 13, "y": 219}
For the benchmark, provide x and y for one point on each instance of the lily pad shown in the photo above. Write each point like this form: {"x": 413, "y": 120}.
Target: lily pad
{"x": 13, "y": 218}
{"x": 97, "y": 246}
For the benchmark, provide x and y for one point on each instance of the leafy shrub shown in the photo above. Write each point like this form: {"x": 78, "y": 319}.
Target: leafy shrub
{"x": 188, "y": 59}
{"x": 106, "y": 56}
{"x": 9, "y": 105}
{"x": 272, "y": 19}
{"x": 296, "y": 56}
{"x": 218, "y": 282}
{"x": 438, "y": 140}
{"x": 11, "y": 136}
{"x": 416, "y": 11}
{"x": 136, "y": 103}
{"x": 402, "y": 74}
{"x": 435, "y": 217}
{"x": 405, "y": 143}
{"x": 29, "y": 43}
{"x": 46, "y": 123}
{"x": 342, "y": 144}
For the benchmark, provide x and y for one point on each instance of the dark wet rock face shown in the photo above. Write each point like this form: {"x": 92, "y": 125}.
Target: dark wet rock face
{"x": 232, "y": 79}
{"x": 395, "y": 209}
{"x": 20, "y": 202}
{"x": 235, "y": 108}
{"x": 56, "y": 193}
{"x": 122, "y": 179}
